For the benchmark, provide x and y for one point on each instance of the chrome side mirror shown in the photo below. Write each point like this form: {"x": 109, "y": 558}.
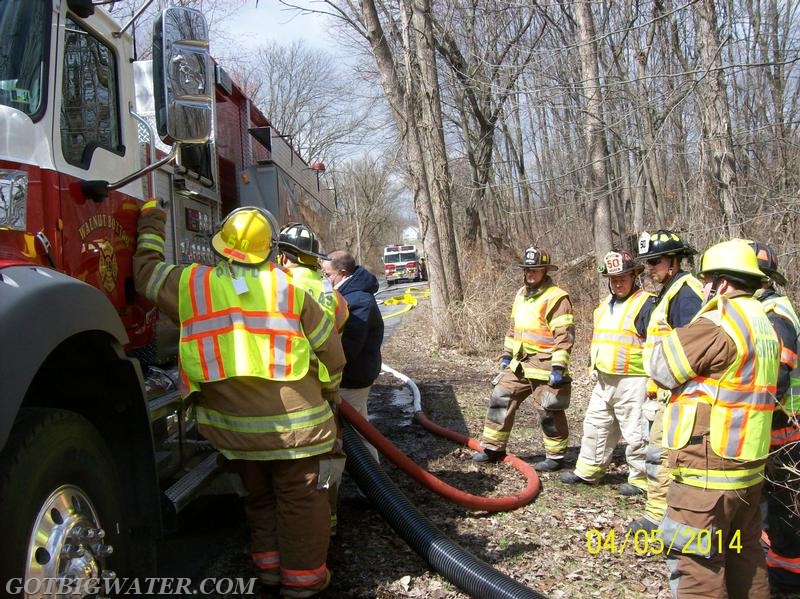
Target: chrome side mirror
{"x": 182, "y": 85}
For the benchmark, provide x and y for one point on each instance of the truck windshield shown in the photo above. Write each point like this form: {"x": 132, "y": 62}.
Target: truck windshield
{"x": 400, "y": 257}
{"x": 24, "y": 42}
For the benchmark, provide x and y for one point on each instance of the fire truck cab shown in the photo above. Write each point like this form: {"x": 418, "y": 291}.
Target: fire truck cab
{"x": 93, "y": 461}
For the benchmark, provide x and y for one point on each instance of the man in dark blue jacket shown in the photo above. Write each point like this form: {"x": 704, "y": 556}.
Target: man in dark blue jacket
{"x": 362, "y": 335}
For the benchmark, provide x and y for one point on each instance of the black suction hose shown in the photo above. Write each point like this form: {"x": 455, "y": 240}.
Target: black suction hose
{"x": 455, "y": 563}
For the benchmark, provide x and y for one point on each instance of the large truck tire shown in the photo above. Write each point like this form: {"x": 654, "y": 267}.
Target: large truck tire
{"x": 58, "y": 489}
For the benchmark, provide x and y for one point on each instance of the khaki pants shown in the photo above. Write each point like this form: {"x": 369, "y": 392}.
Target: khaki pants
{"x": 722, "y": 557}
{"x": 658, "y": 478}
{"x": 507, "y": 396}
{"x": 614, "y": 411}
{"x": 289, "y": 519}
{"x": 357, "y": 398}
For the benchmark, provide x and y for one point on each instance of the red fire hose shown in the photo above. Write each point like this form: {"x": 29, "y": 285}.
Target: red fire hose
{"x": 402, "y": 461}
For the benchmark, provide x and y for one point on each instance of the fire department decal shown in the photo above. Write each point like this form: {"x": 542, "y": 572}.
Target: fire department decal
{"x": 104, "y": 221}
{"x": 107, "y": 265}
{"x": 104, "y": 248}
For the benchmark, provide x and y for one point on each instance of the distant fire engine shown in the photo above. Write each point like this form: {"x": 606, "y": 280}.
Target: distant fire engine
{"x": 402, "y": 263}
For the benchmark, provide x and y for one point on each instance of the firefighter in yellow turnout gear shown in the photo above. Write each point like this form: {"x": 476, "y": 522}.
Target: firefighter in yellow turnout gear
{"x": 721, "y": 371}
{"x": 251, "y": 347}
{"x": 782, "y": 487}
{"x": 534, "y": 361}
{"x": 676, "y": 304}
{"x": 299, "y": 254}
{"x": 615, "y": 408}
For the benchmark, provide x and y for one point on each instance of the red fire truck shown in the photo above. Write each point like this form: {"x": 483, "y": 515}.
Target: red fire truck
{"x": 401, "y": 263}
{"x": 97, "y": 454}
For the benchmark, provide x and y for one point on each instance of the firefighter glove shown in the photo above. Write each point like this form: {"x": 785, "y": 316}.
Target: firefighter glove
{"x": 557, "y": 378}
{"x": 153, "y": 204}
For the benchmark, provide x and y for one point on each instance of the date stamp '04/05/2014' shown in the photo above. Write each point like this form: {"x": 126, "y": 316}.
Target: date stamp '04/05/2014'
{"x": 688, "y": 541}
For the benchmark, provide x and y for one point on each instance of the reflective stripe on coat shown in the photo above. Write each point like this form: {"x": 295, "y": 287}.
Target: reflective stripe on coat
{"x": 616, "y": 344}
{"x": 225, "y": 333}
{"x": 658, "y": 327}
{"x": 741, "y": 400}
{"x": 532, "y": 333}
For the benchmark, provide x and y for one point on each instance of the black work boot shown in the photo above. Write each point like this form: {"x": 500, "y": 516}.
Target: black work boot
{"x": 570, "y": 478}
{"x": 488, "y": 456}
{"x": 629, "y": 490}
{"x": 642, "y": 524}
{"x": 549, "y": 465}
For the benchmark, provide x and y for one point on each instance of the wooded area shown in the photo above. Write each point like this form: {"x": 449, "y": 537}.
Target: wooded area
{"x": 539, "y": 122}
{"x": 571, "y": 125}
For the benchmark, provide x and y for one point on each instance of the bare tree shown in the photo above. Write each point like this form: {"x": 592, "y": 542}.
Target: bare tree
{"x": 719, "y": 159}
{"x": 368, "y": 194}
{"x": 400, "y": 40}
{"x": 304, "y": 95}
{"x": 574, "y": 125}
{"x": 482, "y": 47}
{"x": 595, "y": 129}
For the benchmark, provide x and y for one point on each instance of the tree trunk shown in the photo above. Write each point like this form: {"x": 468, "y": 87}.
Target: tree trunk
{"x": 718, "y": 159}
{"x": 594, "y": 129}
{"x": 404, "y": 108}
{"x": 431, "y": 128}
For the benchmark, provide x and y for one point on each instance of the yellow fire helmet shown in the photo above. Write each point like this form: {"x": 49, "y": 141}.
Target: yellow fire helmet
{"x": 248, "y": 235}
{"x": 736, "y": 257}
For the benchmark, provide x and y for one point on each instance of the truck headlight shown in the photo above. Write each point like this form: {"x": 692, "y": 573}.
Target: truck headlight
{"x": 13, "y": 198}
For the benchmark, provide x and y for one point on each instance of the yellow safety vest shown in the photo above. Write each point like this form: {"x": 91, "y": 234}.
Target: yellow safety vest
{"x": 332, "y": 303}
{"x": 658, "y": 327}
{"x": 781, "y": 306}
{"x": 320, "y": 289}
{"x": 741, "y": 401}
{"x": 616, "y": 344}
{"x": 253, "y": 333}
{"x": 533, "y": 334}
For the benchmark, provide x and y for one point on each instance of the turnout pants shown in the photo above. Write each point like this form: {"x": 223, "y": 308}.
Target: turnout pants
{"x": 782, "y": 527}
{"x": 714, "y": 538}
{"x": 614, "y": 411}
{"x": 507, "y": 396}
{"x": 289, "y": 517}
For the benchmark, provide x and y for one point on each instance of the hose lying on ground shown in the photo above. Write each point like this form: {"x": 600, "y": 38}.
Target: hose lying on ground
{"x": 422, "y": 476}
{"x": 399, "y": 459}
{"x": 455, "y": 563}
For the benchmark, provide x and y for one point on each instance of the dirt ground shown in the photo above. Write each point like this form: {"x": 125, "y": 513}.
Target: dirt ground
{"x": 542, "y": 545}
